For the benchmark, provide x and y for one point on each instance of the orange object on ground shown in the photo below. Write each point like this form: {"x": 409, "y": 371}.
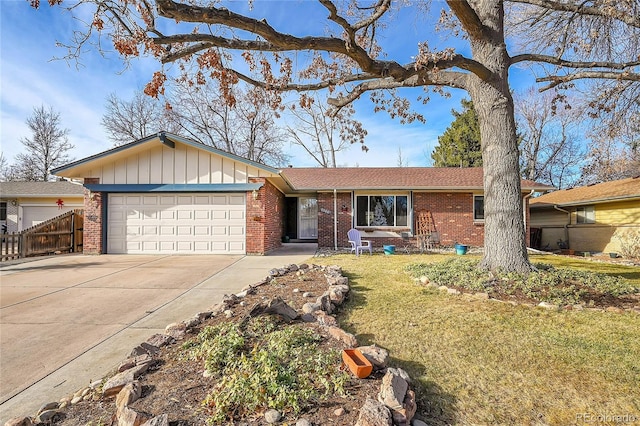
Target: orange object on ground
{"x": 357, "y": 363}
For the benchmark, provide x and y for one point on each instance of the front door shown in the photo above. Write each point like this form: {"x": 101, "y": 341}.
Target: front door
{"x": 308, "y": 218}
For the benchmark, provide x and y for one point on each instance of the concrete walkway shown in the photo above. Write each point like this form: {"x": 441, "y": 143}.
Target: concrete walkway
{"x": 68, "y": 320}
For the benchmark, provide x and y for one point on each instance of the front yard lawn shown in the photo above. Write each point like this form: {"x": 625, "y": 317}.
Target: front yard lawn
{"x": 482, "y": 362}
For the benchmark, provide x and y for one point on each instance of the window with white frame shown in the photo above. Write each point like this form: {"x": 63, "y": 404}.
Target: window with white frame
{"x": 382, "y": 210}
{"x": 478, "y": 207}
{"x": 586, "y": 214}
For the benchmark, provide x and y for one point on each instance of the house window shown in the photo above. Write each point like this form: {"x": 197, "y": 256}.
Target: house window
{"x": 381, "y": 210}
{"x": 3, "y": 210}
{"x": 478, "y": 207}
{"x": 586, "y": 214}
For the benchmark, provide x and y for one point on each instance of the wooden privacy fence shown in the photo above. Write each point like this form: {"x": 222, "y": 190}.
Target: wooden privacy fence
{"x": 59, "y": 234}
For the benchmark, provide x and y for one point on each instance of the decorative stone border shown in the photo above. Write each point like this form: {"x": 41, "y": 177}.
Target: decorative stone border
{"x": 393, "y": 405}
{"x": 423, "y": 280}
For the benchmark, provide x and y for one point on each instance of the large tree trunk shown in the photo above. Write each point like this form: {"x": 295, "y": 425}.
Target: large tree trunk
{"x": 504, "y": 231}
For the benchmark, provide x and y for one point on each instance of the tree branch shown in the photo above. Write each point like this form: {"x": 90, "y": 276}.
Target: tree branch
{"x": 556, "y": 80}
{"x": 468, "y": 18}
{"x": 632, "y": 19}
{"x": 531, "y": 57}
{"x": 442, "y": 78}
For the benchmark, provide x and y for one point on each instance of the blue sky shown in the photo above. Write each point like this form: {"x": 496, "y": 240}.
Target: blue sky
{"x": 29, "y": 77}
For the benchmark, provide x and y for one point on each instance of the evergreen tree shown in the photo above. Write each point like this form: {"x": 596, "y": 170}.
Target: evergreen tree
{"x": 459, "y": 146}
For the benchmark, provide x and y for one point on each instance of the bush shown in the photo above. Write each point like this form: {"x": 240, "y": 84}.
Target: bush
{"x": 629, "y": 242}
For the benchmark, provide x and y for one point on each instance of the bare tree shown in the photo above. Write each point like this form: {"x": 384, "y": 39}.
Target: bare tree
{"x": 127, "y": 121}
{"x": 566, "y": 41}
{"x": 401, "y": 160}
{"x": 609, "y": 160}
{"x": 244, "y": 127}
{"x": 550, "y": 149}
{"x": 47, "y": 148}
{"x": 322, "y": 131}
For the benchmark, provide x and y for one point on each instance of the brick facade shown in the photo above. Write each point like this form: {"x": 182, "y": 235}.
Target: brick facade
{"x": 92, "y": 236}
{"x": 265, "y": 218}
{"x": 452, "y": 214}
{"x": 326, "y": 219}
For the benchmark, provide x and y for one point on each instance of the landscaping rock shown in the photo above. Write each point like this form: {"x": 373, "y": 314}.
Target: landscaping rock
{"x": 615, "y": 310}
{"x": 325, "y": 303}
{"x": 144, "y": 348}
{"x": 423, "y": 279}
{"x": 339, "y": 412}
{"x": 47, "y": 416}
{"x": 374, "y": 413}
{"x": 309, "y": 308}
{"x": 272, "y": 416}
{"x": 417, "y": 422}
{"x": 443, "y": 288}
{"x": 377, "y": 356}
{"x": 307, "y": 294}
{"x": 324, "y": 319}
{"x": 303, "y": 422}
{"x": 393, "y": 389}
{"x": 133, "y": 362}
{"x": 403, "y": 416}
{"x": 48, "y": 406}
{"x": 547, "y": 305}
{"x": 130, "y": 417}
{"x": 130, "y": 393}
{"x": 116, "y": 383}
{"x": 344, "y": 337}
{"x": 162, "y": 420}
{"x": 453, "y": 291}
{"x": 19, "y": 421}
{"x": 177, "y": 330}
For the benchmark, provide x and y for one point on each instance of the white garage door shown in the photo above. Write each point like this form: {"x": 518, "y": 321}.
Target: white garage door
{"x": 33, "y": 215}
{"x": 176, "y": 223}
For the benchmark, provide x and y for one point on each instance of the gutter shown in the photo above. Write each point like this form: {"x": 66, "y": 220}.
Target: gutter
{"x": 566, "y": 226}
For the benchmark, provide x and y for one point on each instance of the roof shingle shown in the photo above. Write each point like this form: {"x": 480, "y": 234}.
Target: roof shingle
{"x": 39, "y": 189}
{"x": 606, "y": 191}
{"x": 385, "y": 178}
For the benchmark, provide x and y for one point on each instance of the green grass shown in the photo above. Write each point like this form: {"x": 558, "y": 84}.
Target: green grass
{"x": 493, "y": 363}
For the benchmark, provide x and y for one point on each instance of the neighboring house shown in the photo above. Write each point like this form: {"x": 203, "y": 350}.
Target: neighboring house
{"x": 25, "y": 204}
{"x": 168, "y": 194}
{"x": 586, "y": 218}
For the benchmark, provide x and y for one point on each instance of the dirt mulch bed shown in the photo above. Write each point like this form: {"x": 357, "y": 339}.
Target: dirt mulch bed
{"x": 176, "y": 386}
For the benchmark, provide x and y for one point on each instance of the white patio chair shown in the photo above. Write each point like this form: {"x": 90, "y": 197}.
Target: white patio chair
{"x": 357, "y": 243}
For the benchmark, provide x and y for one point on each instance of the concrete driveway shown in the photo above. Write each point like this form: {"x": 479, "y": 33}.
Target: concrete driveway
{"x": 68, "y": 320}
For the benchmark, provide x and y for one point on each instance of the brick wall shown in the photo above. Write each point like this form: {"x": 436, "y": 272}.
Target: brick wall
{"x": 326, "y": 219}
{"x": 265, "y": 218}
{"x": 92, "y": 236}
{"x": 453, "y": 216}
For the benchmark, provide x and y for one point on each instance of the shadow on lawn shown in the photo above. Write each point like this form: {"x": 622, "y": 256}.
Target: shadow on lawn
{"x": 435, "y": 406}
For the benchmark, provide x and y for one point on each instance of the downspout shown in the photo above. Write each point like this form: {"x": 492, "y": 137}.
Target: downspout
{"x": 335, "y": 219}
{"x": 566, "y": 226}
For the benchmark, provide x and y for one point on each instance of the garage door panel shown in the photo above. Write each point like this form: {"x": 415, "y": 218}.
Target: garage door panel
{"x": 236, "y": 214}
{"x": 236, "y": 230}
{"x": 201, "y": 215}
{"x": 167, "y": 230}
{"x": 176, "y": 223}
